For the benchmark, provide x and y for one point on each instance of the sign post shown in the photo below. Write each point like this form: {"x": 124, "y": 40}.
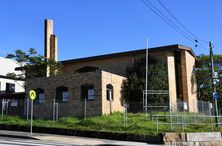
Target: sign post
{"x": 32, "y": 96}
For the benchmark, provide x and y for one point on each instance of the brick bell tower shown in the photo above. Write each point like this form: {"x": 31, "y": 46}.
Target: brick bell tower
{"x": 50, "y": 44}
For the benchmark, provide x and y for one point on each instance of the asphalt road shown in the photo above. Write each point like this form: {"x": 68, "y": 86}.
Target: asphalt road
{"x": 18, "y": 138}
{"x": 4, "y": 141}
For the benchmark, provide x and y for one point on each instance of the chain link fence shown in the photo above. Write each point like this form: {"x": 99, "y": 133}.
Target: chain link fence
{"x": 12, "y": 107}
{"x": 54, "y": 110}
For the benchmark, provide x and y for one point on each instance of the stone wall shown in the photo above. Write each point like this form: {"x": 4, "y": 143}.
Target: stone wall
{"x": 192, "y": 139}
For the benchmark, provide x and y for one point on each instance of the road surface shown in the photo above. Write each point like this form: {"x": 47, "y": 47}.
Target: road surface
{"x": 20, "y": 138}
{"x": 4, "y": 141}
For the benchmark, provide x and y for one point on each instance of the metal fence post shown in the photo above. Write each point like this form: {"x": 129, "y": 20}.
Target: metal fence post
{"x": 157, "y": 126}
{"x": 53, "y": 111}
{"x": 57, "y": 111}
{"x": 27, "y": 109}
{"x": 202, "y": 107}
{"x": 171, "y": 125}
{"x": 85, "y": 108}
{"x": 3, "y": 104}
{"x": 6, "y": 110}
{"x": 125, "y": 114}
{"x": 182, "y": 122}
{"x": 209, "y": 108}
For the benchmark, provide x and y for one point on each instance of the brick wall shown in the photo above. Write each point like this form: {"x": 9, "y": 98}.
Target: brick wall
{"x": 113, "y": 65}
{"x": 172, "y": 79}
{"x": 117, "y": 82}
{"x": 188, "y": 80}
{"x": 75, "y": 105}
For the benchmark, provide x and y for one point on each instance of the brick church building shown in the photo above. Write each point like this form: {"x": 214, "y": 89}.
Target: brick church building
{"x": 94, "y": 84}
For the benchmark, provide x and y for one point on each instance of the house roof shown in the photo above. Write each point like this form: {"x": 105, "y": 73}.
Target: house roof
{"x": 8, "y": 66}
{"x": 134, "y": 52}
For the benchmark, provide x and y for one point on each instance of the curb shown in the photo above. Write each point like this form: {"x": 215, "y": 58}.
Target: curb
{"x": 19, "y": 136}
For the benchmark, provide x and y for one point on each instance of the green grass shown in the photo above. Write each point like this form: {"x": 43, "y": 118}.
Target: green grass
{"x": 137, "y": 124}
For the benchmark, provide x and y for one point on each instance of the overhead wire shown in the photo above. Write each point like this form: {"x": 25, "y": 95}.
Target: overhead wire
{"x": 182, "y": 31}
{"x": 167, "y": 20}
{"x": 185, "y": 28}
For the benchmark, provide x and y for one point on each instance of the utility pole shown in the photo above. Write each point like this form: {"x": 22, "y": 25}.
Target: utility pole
{"x": 213, "y": 84}
{"x": 147, "y": 63}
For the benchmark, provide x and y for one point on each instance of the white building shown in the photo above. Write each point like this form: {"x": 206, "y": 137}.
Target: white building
{"x": 8, "y": 84}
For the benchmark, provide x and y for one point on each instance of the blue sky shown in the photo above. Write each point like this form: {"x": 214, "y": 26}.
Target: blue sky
{"x": 94, "y": 27}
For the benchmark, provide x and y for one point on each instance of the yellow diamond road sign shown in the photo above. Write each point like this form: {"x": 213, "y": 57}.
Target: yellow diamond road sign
{"x": 32, "y": 94}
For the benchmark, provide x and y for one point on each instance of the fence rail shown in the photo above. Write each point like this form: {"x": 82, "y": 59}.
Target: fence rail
{"x": 184, "y": 120}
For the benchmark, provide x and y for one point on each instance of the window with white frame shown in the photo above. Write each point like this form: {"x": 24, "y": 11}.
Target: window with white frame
{"x": 65, "y": 96}
{"x": 62, "y": 94}
{"x": 109, "y": 92}
{"x": 87, "y": 92}
{"x": 40, "y": 96}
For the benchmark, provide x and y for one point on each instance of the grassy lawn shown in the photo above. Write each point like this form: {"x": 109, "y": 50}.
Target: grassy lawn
{"x": 137, "y": 124}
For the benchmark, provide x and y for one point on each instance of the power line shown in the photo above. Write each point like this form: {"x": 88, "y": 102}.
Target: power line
{"x": 167, "y": 20}
{"x": 185, "y": 28}
{"x": 170, "y": 22}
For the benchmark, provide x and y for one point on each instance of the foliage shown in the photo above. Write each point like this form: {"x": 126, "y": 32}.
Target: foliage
{"x": 136, "y": 75}
{"x": 32, "y": 65}
{"x": 203, "y": 76}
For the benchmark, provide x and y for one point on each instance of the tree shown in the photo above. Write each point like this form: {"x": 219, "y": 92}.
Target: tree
{"x": 203, "y": 77}
{"x": 157, "y": 80}
{"x": 32, "y": 65}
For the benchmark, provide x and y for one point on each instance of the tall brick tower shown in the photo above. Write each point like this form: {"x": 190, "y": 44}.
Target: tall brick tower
{"x": 50, "y": 40}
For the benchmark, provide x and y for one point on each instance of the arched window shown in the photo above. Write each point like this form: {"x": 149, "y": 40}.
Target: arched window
{"x": 40, "y": 96}
{"x": 87, "y": 69}
{"x": 109, "y": 92}
{"x": 87, "y": 92}
{"x": 62, "y": 94}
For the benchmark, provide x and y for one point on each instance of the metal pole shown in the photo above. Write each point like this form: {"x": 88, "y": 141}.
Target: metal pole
{"x": 182, "y": 122}
{"x": 146, "y": 76}
{"x": 202, "y": 107}
{"x": 27, "y": 109}
{"x": 57, "y": 111}
{"x": 53, "y": 110}
{"x": 171, "y": 125}
{"x": 6, "y": 108}
{"x": 85, "y": 108}
{"x": 212, "y": 81}
{"x": 31, "y": 116}
{"x": 157, "y": 127}
{"x": 110, "y": 101}
{"x": 126, "y": 113}
{"x": 3, "y": 104}
{"x": 209, "y": 108}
